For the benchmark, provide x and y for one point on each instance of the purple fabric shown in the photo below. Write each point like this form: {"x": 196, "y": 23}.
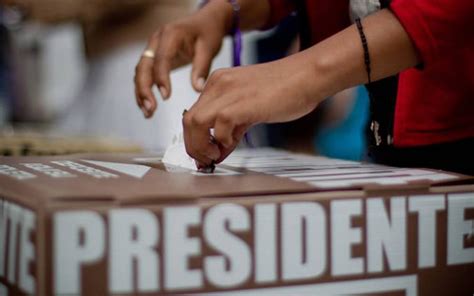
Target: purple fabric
{"x": 237, "y": 45}
{"x": 236, "y": 33}
{"x": 237, "y": 48}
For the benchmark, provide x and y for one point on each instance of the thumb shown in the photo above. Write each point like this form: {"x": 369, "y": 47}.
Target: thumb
{"x": 201, "y": 65}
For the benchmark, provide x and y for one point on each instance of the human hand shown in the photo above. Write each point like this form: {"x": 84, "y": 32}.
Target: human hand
{"x": 235, "y": 99}
{"x": 195, "y": 39}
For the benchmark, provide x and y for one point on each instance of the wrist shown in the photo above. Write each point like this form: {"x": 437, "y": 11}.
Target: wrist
{"x": 309, "y": 78}
{"x": 325, "y": 73}
{"x": 221, "y": 12}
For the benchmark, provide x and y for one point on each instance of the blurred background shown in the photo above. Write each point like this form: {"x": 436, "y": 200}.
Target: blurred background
{"x": 66, "y": 82}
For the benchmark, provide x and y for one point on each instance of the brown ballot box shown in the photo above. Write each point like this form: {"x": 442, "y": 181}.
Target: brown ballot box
{"x": 266, "y": 223}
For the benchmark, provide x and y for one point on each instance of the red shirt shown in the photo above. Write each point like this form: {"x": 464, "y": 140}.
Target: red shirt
{"x": 435, "y": 104}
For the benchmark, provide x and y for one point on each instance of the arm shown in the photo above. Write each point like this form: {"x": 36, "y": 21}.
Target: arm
{"x": 195, "y": 39}
{"x": 410, "y": 33}
{"x": 338, "y": 61}
{"x": 235, "y": 99}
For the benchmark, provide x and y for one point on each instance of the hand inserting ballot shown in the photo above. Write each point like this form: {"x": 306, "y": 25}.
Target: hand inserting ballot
{"x": 237, "y": 98}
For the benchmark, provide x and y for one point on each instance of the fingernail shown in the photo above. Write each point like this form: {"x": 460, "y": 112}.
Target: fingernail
{"x": 200, "y": 83}
{"x": 147, "y": 105}
{"x": 163, "y": 92}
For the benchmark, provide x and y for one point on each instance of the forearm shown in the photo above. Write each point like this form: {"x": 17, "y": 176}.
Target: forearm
{"x": 253, "y": 14}
{"x": 338, "y": 62}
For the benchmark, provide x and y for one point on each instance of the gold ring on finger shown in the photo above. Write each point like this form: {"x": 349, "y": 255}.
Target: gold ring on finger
{"x": 149, "y": 53}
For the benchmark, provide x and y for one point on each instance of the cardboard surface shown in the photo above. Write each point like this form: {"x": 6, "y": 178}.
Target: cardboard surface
{"x": 123, "y": 179}
{"x": 22, "y": 143}
{"x": 127, "y": 224}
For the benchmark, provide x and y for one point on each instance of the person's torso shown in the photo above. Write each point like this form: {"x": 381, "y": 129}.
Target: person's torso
{"x": 418, "y": 106}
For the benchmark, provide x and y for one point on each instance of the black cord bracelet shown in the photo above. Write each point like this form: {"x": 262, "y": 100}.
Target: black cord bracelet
{"x": 365, "y": 46}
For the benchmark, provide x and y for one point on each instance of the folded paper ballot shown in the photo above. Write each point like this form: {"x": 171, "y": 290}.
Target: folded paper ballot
{"x": 176, "y": 154}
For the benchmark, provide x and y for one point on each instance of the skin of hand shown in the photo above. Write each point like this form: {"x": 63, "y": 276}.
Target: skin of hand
{"x": 235, "y": 99}
{"x": 195, "y": 39}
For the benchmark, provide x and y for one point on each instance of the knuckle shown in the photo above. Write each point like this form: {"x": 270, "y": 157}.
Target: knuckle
{"x": 226, "y": 77}
{"x": 163, "y": 55}
{"x": 224, "y": 117}
{"x": 142, "y": 92}
{"x": 157, "y": 33}
{"x": 221, "y": 136}
{"x": 187, "y": 121}
{"x": 191, "y": 120}
{"x": 168, "y": 29}
{"x": 198, "y": 120}
{"x": 222, "y": 73}
{"x": 224, "y": 139}
{"x": 220, "y": 77}
{"x": 139, "y": 68}
{"x": 216, "y": 75}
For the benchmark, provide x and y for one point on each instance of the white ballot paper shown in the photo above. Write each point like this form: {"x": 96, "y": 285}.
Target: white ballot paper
{"x": 176, "y": 154}
{"x": 176, "y": 158}
{"x": 326, "y": 173}
{"x": 316, "y": 171}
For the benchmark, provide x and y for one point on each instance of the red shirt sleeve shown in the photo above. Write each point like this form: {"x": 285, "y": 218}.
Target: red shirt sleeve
{"x": 436, "y": 26}
{"x": 279, "y": 9}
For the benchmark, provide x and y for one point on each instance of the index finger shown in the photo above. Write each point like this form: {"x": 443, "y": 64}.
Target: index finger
{"x": 197, "y": 140}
